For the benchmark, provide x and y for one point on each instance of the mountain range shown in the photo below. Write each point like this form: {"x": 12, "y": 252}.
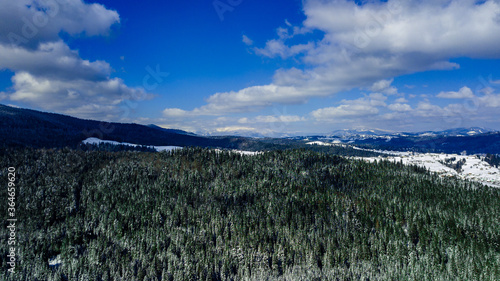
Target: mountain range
{"x": 471, "y": 140}
{"x": 26, "y": 127}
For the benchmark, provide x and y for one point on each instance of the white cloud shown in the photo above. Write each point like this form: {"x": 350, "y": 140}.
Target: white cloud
{"x": 232, "y": 129}
{"x": 52, "y": 59}
{"x": 30, "y": 22}
{"x": 399, "y": 107}
{"x": 404, "y": 27}
{"x": 370, "y": 111}
{"x": 176, "y": 112}
{"x": 271, "y": 119}
{"x": 365, "y": 46}
{"x": 247, "y": 40}
{"x": 343, "y": 111}
{"x": 426, "y": 109}
{"x": 352, "y": 109}
{"x": 490, "y": 100}
{"x": 463, "y": 93}
{"x": 84, "y": 98}
{"x": 275, "y": 48}
{"x": 384, "y": 86}
{"x": 246, "y": 100}
{"x": 47, "y": 73}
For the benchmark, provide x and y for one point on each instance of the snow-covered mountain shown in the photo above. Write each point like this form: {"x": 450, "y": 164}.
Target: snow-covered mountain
{"x": 377, "y": 133}
{"x": 473, "y": 140}
{"x": 361, "y": 133}
{"x": 456, "y": 132}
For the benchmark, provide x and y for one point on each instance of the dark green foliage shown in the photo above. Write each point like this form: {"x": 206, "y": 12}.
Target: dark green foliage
{"x": 114, "y": 147}
{"x": 197, "y": 214}
{"x": 450, "y": 163}
{"x": 493, "y": 160}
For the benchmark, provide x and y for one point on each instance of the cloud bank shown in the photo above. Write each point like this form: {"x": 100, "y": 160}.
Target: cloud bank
{"x": 365, "y": 46}
{"x": 47, "y": 73}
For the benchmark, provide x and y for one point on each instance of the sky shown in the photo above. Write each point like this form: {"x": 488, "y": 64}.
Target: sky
{"x": 254, "y": 67}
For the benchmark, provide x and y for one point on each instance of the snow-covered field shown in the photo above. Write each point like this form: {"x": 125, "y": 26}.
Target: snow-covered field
{"x": 333, "y": 143}
{"x": 474, "y": 168}
{"x": 158, "y": 148}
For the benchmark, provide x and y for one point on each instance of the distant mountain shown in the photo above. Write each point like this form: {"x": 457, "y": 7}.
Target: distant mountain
{"x": 377, "y": 133}
{"x": 472, "y": 140}
{"x": 175, "y": 131}
{"x": 472, "y": 131}
{"x": 453, "y": 141}
{"x": 25, "y": 127}
{"x": 456, "y": 132}
{"x": 360, "y": 133}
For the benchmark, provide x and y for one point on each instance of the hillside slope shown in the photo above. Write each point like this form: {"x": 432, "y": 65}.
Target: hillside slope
{"x": 25, "y": 127}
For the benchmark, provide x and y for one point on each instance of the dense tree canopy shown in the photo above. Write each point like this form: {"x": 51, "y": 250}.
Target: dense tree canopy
{"x": 199, "y": 214}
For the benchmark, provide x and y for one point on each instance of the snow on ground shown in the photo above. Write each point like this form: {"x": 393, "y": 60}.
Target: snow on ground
{"x": 243, "y": 152}
{"x": 55, "y": 261}
{"x": 474, "y": 168}
{"x": 400, "y": 153}
{"x": 333, "y": 143}
{"x": 158, "y": 148}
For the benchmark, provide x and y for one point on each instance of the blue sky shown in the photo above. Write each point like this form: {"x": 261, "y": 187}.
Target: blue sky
{"x": 256, "y": 67}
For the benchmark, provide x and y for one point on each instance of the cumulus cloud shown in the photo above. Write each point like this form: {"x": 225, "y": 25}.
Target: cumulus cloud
{"x": 47, "y": 73}
{"x": 365, "y": 46}
{"x": 384, "y": 86}
{"x": 246, "y": 100}
{"x": 352, "y": 109}
{"x": 374, "y": 110}
{"x": 30, "y": 22}
{"x": 85, "y": 98}
{"x": 271, "y": 119}
{"x": 52, "y": 60}
{"x": 232, "y": 129}
{"x": 343, "y": 111}
{"x": 490, "y": 100}
{"x": 427, "y": 109}
{"x": 463, "y": 93}
{"x": 436, "y": 28}
{"x": 400, "y": 107}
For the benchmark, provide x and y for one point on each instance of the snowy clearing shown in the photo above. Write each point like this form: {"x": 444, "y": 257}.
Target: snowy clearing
{"x": 333, "y": 143}
{"x": 474, "y": 167}
{"x": 158, "y": 148}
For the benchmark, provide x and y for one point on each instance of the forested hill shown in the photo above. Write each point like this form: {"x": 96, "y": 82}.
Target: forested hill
{"x": 198, "y": 214}
{"x": 24, "y": 127}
